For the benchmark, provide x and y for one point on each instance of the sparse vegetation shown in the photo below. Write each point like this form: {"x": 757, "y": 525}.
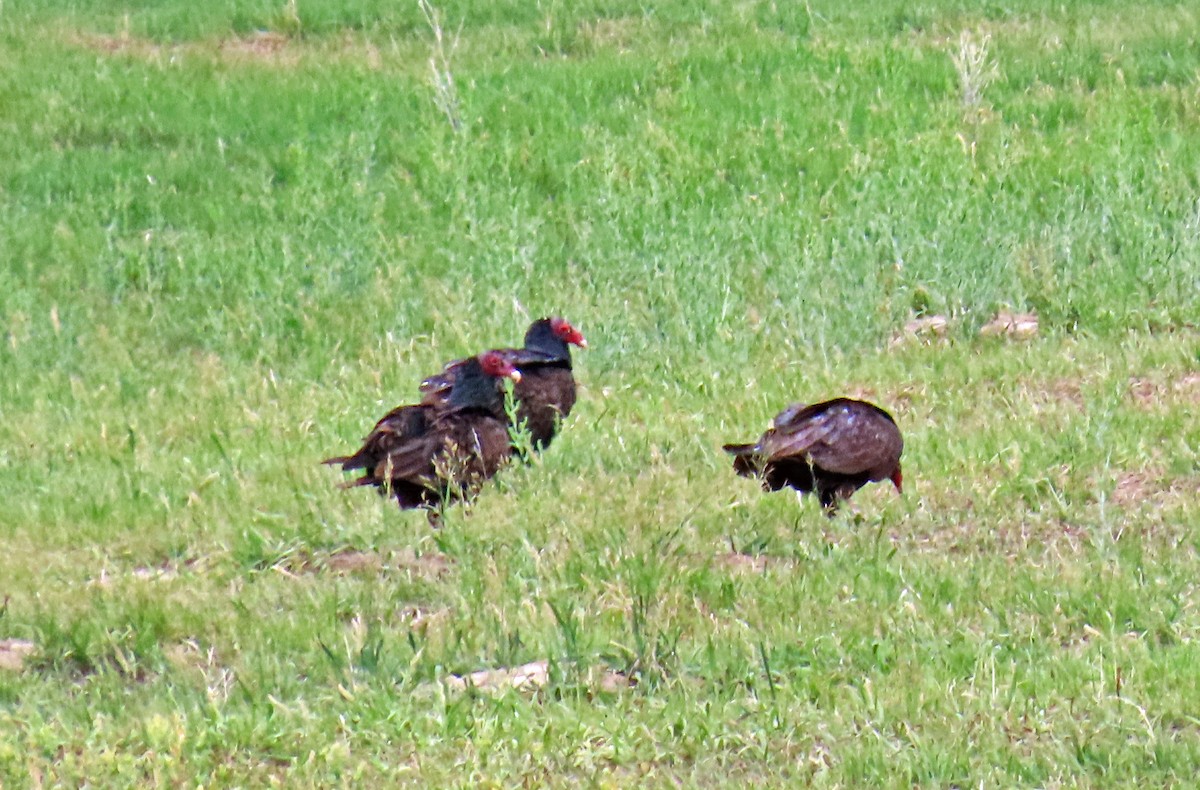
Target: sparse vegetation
{"x": 234, "y": 234}
{"x": 975, "y": 69}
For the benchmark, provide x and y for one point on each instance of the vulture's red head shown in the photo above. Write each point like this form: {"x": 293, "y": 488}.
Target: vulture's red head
{"x": 568, "y": 334}
{"x": 897, "y": 478}
{"x": 497, "y": 366}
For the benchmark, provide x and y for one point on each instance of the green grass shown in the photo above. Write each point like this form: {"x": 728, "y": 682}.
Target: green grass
{"x": 235, "y": 234}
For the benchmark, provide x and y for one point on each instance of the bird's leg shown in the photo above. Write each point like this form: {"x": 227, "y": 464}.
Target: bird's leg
{"x": 828, "y": 496}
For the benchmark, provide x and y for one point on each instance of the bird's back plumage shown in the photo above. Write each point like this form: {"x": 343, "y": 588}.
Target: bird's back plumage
{"x": 834, "y": 447}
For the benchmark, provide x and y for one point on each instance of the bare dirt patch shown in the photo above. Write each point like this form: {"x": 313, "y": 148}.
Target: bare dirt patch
{"x": 1057, "y": 395}
{"x": 430, "y": 564}
{"x": 167, "y": 571}
{"x": 746, "y": 563}
{"x": 1153, "y": 488}
{"x": 1134, "y": 487}
{"x": 1154, "y": 392}
{"x": 352, "y": 561}
{"x": 527, "y": 676}
{"x": 263, "y": 46}
{"x": 926, "y": 329}
{"x": 1189, "y": 387}
{"x": 421, "y": 618}
{"x": 1067, "y": 391}
{"x": 13, "y": 653}
{"x": 531, "y": 677}
{"x": 1144, "y": 393}
{"x": 122, "y": 44}
{"x": 1014, "y": 326}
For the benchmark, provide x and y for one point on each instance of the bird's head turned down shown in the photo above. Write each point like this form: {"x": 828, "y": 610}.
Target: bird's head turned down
{"x": 496, "y": 366}
{"x": 897, "y": 478}
{"x": 567, "y": 333}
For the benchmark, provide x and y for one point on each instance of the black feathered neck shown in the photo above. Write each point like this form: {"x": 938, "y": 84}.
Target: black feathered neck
{"x": 541, "y": 338}
{"x": 474, "y": 389}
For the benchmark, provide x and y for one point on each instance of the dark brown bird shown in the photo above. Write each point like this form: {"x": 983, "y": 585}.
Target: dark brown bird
{"x": 422, "y": 453}
{"x": 833, "y": 448}
{"x": 546, "y": 391}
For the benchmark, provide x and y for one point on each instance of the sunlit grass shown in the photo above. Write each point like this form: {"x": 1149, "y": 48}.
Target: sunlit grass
{"x": 236, "y": 234}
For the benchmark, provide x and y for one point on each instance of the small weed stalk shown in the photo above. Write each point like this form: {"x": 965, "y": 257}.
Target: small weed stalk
{"x": 445, "y": 94}
{"x": 456, "y": 482}
{"x": 518, "y": 429}
{"x": 653, "y": 648}
{"x": 287, "y": 19}
{"x": 569, "y": 668}
{"x": 975, "y": 69}
{"x": 362, "y": 652}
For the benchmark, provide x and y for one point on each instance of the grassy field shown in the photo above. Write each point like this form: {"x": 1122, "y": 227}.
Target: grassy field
{"x": 233, "y": 234}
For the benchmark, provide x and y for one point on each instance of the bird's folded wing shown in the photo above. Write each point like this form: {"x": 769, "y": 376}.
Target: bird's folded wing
{"x": 860, "y": 442}
{"x": 409, "y": 458}
{"x": 410, "y": 420}
{"x": 436, "y": 389}
{"x": 838, "y": 439}
{"x": 790, "y": 415}
{"x": 393, "y": 428}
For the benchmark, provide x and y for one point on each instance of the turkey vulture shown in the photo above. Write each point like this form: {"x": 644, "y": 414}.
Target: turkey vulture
{"x": 421, "y": 452}
{"x": 546, "y": 391}
{"x": 834, "y": 448}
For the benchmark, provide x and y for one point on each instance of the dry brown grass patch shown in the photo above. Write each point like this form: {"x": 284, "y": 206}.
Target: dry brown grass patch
{"x": 1153, "y": 488}
{"x": 429, "y": 565}
{"x": 926, "y": 329}
{"x": 166, "y": 571}
{"x": 123, "y": 43}
{"x": 1056, "y": 395}
{"x": 1154, "y": 392}
{"x": 1014, "y": 326}
{"x": 615, "y": 34}
{"x": 266, "y": 47}
{"x": 13, "y": 653}
{"x": 749, "y": 563}
{"x": 421, "y": 618}
{"x": 1067, "y": 391}
{"x": 352, "y": 561}
{"x": 1033, "y": 538}
{"x": 262, "y": 46}
{"x": 531, "y": 677}
{"x": 1134, "y": 487}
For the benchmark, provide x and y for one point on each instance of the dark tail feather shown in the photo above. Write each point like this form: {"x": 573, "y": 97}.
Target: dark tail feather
{"x": 745, "y": 458}
{"x": 350, "y": 462}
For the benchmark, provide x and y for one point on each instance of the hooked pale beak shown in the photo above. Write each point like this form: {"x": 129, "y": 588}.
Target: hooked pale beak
{"x": 515, "y": 375}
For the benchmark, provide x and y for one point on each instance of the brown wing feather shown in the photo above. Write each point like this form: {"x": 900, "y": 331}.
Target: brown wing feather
{"x": 398, "y": 425}
{"x": 410, "y": 459}
{"x": 842, "y": 436}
